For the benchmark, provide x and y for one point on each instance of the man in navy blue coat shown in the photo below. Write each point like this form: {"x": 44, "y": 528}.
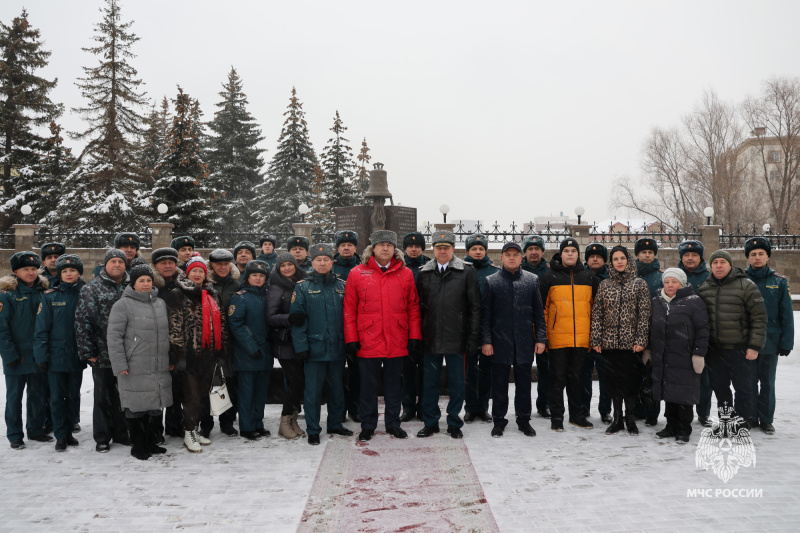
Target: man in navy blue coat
{"x": 512, "y": 330}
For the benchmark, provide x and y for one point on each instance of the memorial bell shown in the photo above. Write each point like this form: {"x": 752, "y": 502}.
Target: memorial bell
{"x": 378, "y": 184}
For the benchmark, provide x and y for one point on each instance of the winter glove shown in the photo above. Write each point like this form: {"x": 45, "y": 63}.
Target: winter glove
{"x": 414, "y": 346}
{"x": 297, "y": 319}
{"x": 181, "y": 366}
{"x": 42, "y": 367}
{"x": 784, "y": 352}
{"x": 13, "y": 364}
{"x": 647, "y": 355}
{"x": 698, "y": 362}
{"x": 351, "y": 349}
{"x": 256, "y": 355}
{"x": 303, "y": 356}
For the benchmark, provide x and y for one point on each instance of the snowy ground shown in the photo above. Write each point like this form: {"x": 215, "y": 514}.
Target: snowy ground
{"x": 578, "y": 480}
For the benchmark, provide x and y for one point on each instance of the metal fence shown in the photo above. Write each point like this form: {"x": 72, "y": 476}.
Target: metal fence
{"x": 666, "y": 236}
{"x": 231, "y": 239}
{"x": 496, "y": 235}
{"x": 736, "y": 237}
{"x": 7, "y": 240}
{"x": 86, "y": 240}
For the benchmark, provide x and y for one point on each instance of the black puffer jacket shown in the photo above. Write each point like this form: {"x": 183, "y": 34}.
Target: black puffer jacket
{"x": 279, "y": 298}
{"x": 736, "y": 311}
{"x": 450, "y": 307}
{"x": 678, "y": 330}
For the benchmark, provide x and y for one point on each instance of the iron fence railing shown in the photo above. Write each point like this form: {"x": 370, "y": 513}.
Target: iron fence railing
{"x": 736, "y": 237}
{"x": 7, "y": 241}
{"x": 552, "y": 235}
{"x": 667, "y": 236}
{"x": 87, "y": 240}
{"x": 231, "y": 239}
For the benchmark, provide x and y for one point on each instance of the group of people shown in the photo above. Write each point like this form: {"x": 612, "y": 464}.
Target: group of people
{"x": 158, "y": 335}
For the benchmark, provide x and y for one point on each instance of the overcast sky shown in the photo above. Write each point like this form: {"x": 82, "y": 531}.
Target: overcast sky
{"x": 502, "y": 110}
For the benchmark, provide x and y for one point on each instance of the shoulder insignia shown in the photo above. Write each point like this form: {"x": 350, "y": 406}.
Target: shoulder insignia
{"x": 243, "y": 291}
{"x": 40, "y": 308}
{"x": 1, "y": 307}
{"x": 294, "y": 295}
{"x": 301, "y": 281}
{"x": 494, "y": 266}
{"x": 231, "y": 310}
{"x": 50, "y": 291}
{"x": 779, "y": 275}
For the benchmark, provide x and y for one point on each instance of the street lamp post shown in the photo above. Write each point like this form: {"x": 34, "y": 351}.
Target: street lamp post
{"x": 708, "y": 212}
{"x": 579, "y": 211}
{"x": 444, "y": 209}
{"x": 25, "y": 210}
{"x": 303, "y": 210}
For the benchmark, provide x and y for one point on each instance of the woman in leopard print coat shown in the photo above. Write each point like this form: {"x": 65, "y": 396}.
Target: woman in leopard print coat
{"x": 620, "y": 329}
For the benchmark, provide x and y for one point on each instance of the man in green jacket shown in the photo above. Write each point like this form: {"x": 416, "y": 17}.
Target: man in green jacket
{"x": 774, "y": 288}
{"x": 738, "y": 332}
{"x": 316, "y": 315}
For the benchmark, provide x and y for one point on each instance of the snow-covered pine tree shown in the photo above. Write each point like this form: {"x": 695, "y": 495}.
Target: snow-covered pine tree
{"x": 55, "y": 165}
{"x": 290, "y": 174}
{"x": 104, "y": 192}
{"x": 338, "y": 169}
{"x": 182, "y": 174}
{"x": 25, "y": 106}
{"x": 361, "y": 179}
{"x": 318, "y": 212}
{"x": 234, "y": 158}
{"x": 154, "y": 140}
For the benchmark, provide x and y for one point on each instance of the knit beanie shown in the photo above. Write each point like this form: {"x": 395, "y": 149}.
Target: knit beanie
{"x": 285, "y": 257}
{"x": 180, "y": 242}
{"x": 53, "y": 248}
{"x": 111, "y": 253}
{"x": 645, "y": 243}
{"x": 691, "y": 246}
{"x": 723, "y": 254}
{"x": 676, "y": 273}
{"x": 196, "y": 262}
{"x": 163, "y": 254}
{"x": 619, "y": 248}
{"x": 69, "y": 261}
{"x": 345, "y": 236}
{"x": 220, "y": 255}
{"x": 569, "y": 241}
{"x": 532, "y": 240}
{"x": 25, "y": 259}
{"x": 140, "y": 270}
{"x": 596, "y": 249}
{"x": 412, "y": 239}
{"x": 754, "y": 243}
{"x": 476, "y": 239}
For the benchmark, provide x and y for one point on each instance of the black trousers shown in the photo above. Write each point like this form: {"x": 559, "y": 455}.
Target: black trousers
{"x": 522, "y": 394}
{"x": 412, "y": 384}
{"x": 370, "y": 370}
{"x": 566, "y": 365}
{"x": 726, "y": 367}
{"x": 621, "y": 372}
{"x": 195, "y": 398}
{"x": 173, "y": 417}
{"x": 352, "y": 387}
{"x": 295, "y": 382}
{"x": 679, "y": 417}
{"x": 108, "y": 421}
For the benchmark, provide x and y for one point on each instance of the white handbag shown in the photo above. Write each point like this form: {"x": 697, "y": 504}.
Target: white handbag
{"x": 218, "y": 395}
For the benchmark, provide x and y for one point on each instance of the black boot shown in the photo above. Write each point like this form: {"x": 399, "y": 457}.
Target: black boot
{"x": 153, "y": 435}
{"x": 630, "y": 418}
{"x": 137, "y": 430}
{"x": 616, "y": 424}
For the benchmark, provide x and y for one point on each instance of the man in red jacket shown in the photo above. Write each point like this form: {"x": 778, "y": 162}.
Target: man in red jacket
{"x": 381, "y": 326}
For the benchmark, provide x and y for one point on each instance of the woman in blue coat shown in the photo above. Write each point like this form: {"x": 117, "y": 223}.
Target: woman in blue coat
{"x": 252, "y": 357}
{"x": 679, "y": 332}
{"x": 55, "y": 349}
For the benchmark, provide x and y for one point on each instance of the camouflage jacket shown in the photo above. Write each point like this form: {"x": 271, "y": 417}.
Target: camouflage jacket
{"x": 91, "y": 317}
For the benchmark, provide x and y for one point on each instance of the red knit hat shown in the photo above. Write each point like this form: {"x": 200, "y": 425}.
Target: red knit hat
{"x": 195, "y": 261}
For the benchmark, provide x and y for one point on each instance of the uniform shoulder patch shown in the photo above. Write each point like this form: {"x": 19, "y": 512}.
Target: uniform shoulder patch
{"x": 494, "y": 266}
{"x": 231, "y": 310}
{"x": 779, "y": 275}
{"x": 40, "y": 308}
{"x": 243, "y": 291}
{"x": 294, "y": 296}
{"x": 50, "y": 291}
{"x": 301, "y": 281}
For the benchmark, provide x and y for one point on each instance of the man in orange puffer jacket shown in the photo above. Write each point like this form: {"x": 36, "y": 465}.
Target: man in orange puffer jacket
{"x": 568, "y": 290}
{"x": 381, "y": 326}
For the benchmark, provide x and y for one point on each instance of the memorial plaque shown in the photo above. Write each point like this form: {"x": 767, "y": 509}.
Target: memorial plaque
{"x": 355, "y": 218}
{"x": 401, "y": 219}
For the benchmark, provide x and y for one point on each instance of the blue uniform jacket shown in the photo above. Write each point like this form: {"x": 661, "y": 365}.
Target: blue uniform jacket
{"x": 651, "y": 274}
{"x": 247, "y": 321}
{"x": 321, "y": 299}
{"x": 778, "y": 299}
{"x": 18, "y": 306}
{"x": 54, "y": 339}
{"x": 697, "y": 277}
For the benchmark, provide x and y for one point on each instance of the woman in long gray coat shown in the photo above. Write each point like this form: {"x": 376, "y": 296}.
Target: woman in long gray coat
{"x": 138, "y": 346}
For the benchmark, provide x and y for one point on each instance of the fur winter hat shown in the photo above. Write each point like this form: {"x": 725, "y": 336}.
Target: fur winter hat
{"x": 444, "y": 237}
{"x": 297, "y": 240}
{"x": 140, "y": 270}
{"x": 345, "y": 236}
{"x": 382, "y": 236}
{"x": 268, "y": 238}
{"x": 411, "y": 239}
{"x": 569, "y": 241}
{"x": 126, "y": 239}
{"x": 196, "y": 262}
{"x": 255, "y": 266}
{"x": 244, "y": 245}
{"x": 53, "y": 248}
{"x": 220, "y": 255}
{"x": 723, "y": 254}
{"x": 676, "y": 273}
{"x": 321, "y": 249}
{"x": 476, "y": 239}
{"x": 754, "y": 243}
{"x": 691, "y": 246}
{"x": 180, "y": 242}
{"x": 596, "y": 249}
{"x": 111, "y": 253}
{"x": 25, "y": 259}
{"x": 69, "y": 261}
{"x": 645, "y": 243}
{"x": 163, "y": 254}
{"x": 532, "y": 240}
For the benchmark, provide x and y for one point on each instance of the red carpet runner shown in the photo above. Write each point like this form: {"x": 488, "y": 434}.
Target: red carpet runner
{"x": 387, "y": 484}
